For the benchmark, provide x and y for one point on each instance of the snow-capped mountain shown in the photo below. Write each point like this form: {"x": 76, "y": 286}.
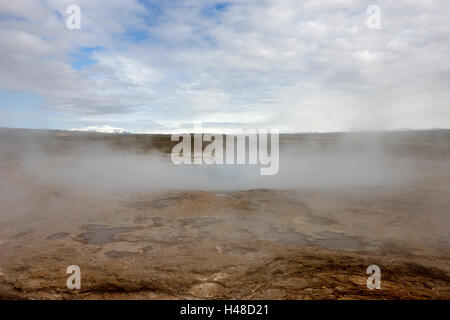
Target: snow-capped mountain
{"x": 102, "y": 129}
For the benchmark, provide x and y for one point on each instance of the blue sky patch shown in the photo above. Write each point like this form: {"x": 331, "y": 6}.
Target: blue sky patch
{"x": 82, "y": 58}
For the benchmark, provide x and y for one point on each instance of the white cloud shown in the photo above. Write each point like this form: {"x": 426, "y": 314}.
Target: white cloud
{"x": 293, "y": 65}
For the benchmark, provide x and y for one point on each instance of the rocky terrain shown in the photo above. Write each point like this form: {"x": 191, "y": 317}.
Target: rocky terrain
{"x": 313, "y": 241}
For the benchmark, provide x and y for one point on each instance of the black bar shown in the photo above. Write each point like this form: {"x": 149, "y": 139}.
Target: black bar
{"x": 223, "y": 309}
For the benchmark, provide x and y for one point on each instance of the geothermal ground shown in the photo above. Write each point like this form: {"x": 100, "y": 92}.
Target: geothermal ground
{"x": 62, "y": 203}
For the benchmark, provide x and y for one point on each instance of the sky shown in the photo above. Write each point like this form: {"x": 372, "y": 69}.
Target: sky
{"x": 165, "y": 66}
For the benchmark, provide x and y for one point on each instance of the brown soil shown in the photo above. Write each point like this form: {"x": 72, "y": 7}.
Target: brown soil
{"x": 308, "y": 243}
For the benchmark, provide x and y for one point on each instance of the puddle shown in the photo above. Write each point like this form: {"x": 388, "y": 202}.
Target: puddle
{"x": 328, "y": 239}
{"x": 236, "y": 250}
{"x": 202, "y": 221}
{"x": 268, "y": 230}
{"x": 22, "y": 234}
{"x": 99, "y": 234}
{"x": 322, "y": 220}
{"x": 288, "y": 237}
{"x": 334, "y": 240}
{"x": 152, "y": 247}
{"x": 114, "y": 254}
{"x": 166, "y": 202}
{"x": 252, "y": 225}
{"x": 58, "y": 235}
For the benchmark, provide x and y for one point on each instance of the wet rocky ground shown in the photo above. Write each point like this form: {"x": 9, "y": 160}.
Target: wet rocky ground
{"x": 257, "y": 243}
{"x": 242, "y": 245}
